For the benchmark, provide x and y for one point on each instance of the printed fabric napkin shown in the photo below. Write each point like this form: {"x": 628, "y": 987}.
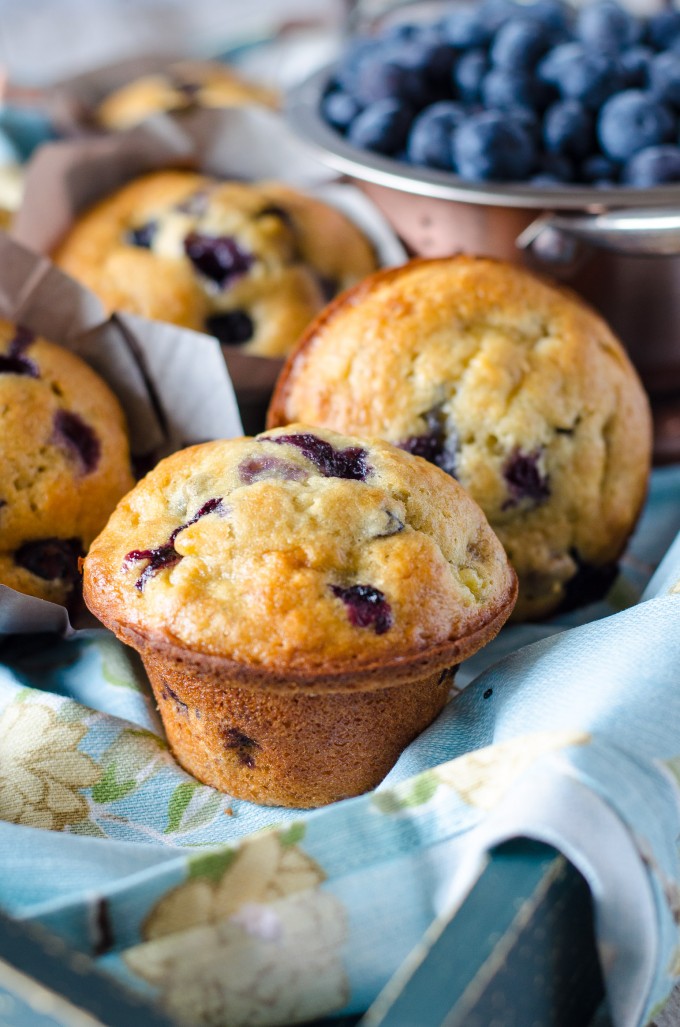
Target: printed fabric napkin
{"x": 567, "y": 732}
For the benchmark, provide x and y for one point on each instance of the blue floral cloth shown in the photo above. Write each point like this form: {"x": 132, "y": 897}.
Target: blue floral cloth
{"x": 178, "y": 890}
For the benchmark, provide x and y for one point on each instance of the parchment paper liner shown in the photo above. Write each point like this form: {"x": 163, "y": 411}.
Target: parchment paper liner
{"x": 253, "y": 143}
{"x": 171, "y": 382}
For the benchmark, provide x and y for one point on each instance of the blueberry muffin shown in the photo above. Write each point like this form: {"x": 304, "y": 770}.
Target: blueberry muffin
{"x": 64, "y": 463}
{"x": 513, "y": 386}
{"x": 250, "y": 264}
{"x": 300, "y": 600}
{"x": 181, "y": 87}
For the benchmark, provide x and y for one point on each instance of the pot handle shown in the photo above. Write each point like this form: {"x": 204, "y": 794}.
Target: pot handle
{"x": 654, "y": 232}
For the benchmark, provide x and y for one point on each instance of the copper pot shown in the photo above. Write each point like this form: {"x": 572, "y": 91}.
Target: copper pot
{"x": 618, "y": 247}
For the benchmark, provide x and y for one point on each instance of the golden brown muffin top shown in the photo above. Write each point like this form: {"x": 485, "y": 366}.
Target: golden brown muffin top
{"x": 182, "y": 86}
{"x": 248, "y": 263}
{"x": 64, "y": 462}
{"x": 514, "y": 386}
{"x": 300, "y": 550}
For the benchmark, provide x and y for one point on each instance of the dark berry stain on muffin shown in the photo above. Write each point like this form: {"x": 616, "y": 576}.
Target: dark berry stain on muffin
{"x": 232, "y": 328}
{"x": 589, "y": 583}
{"x": 366, "y": 607}
{"x": 328, "y": 286}
{"x": 166, "y": 555}
{"x": 524, "y": 478}
{"x": 159, "y": 558}
{"x": 331, "y": 462}
{"x": 393, "y": 527}
{"x": 15, "y": 361}
{"x": 52, "y": 559}
{"x": 255, "y": 468}
{"x": 436, "y": 445}
{"x": 143, "y": 235}
{"x": 169, "y": 693}
{"x": 79, "y": 438}
{"x": 188, "y": 89}
{"x": 217, "y": 257}
{"x": 274, "y": 211}
{"x": 245, "y": 747}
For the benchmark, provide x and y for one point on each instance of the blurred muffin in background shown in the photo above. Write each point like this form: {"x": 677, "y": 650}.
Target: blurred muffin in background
{"x": 250, "y": 264}
{"x": 182, "y": 86}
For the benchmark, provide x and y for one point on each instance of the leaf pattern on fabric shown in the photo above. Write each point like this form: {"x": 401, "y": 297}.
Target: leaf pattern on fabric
{"x": 263, "y": 869}
{"x": 191, "y": 805}
{"x": 265, "y": 964}
{"x": 133, "y": 758}
{"x": 420, "y": 790}
{"x": 43, "y": 775}
{"x": 116, "y": 663}
{"x": 483, "y": 778}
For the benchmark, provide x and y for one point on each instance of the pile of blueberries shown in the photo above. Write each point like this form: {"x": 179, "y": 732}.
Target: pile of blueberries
{"x": 519, "y": 92}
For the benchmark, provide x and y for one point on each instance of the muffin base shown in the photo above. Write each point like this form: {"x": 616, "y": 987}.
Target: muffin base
{"x": 290, "y": 749}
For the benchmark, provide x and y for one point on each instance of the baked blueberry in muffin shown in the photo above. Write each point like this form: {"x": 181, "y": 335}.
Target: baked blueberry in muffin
{"x": 511, "y": 385}
{"x": 298, "y": 599}
{"x": 64, "y": 462}
{"x": 250, "y": 264}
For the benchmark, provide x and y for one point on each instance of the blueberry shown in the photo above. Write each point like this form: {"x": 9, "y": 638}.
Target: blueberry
{"x": 519, "y": 44}
{"x": 631, "y": 121}
{"x": 78, "y": 437}
{"x": 607, "y": 27}
{"x": 579, "y": 74}
{"x": 588, "y": 584}
{"x": 382, "y": 127}
{"x": 504, "y": 90}
{"x": 489, "y": 146}
{"x": 217, "y": 257}
{"x": 439, "y": 60}
{"x": 552, "y": 14}
{"x": 568, "y": 128}
{"x": 157, "y": 559}
{"x": 351, "y": 61}
{"x": 366, "y": 607}
{"x": 466, "y": 28}
{"x": 15, "y": 360}
{"x": 165, "y": 555}
{"x": 468, "y": 75}
{"x": 328, "y": 287}
{"x": 400, "y": 33}
{"x": 556, "y": 166}
{"x": 430, "y": 139}
{"x": 331, "y": 462}
{"x": 663, "y": 29}
{"x": 598, "y": 168}
{"x": 525, "y": 479}
{"x": 664, "y": 78}
{"x": 340, "y": 109}
{"x": 52, "y": 559}
{"x": 397, "y": 74}
{"x": 528, "y": 120}
{"x": 255, "y": 468}
{"x": 634, "y": 63}
{"x": 496, "y": 13}
{"x": 143, "y": 235}
{"x": 232, "y": 328}
{"x": 436, "y": 445}
{"x": 652, "y": 166}
{"x": 245, "y": 746}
